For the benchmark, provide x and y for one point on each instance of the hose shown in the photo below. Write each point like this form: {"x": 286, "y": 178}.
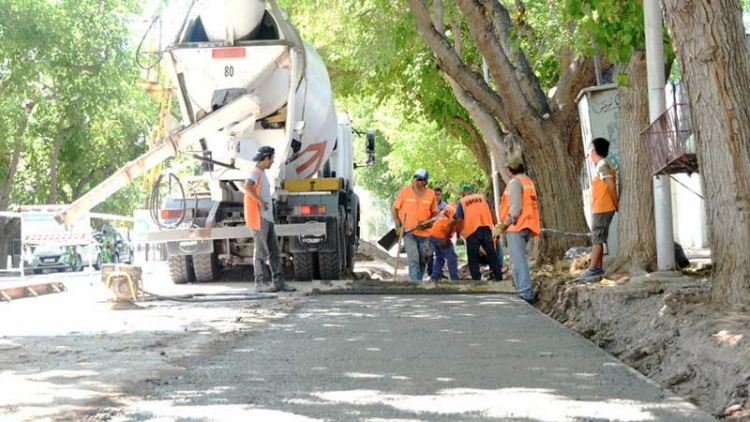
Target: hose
{"x": 206, "y": 297}
{"x": 155, "y": 19}
{"x": 155, "y": 201}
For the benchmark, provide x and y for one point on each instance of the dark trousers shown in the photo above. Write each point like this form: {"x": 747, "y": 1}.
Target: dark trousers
{"x": 482, "y": 237}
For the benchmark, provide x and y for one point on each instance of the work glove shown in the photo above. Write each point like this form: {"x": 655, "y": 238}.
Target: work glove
{"x": 499, "y": 229}
{"x": 399, "y": 231}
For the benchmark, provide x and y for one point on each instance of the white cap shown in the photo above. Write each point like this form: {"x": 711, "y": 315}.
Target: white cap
{"x": 422, "y": 174}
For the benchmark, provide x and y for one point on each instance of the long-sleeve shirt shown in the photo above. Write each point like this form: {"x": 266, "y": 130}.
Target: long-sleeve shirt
{"x": 515, "y": 197}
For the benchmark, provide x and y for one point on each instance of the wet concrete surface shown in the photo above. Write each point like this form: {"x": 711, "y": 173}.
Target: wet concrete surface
{"x": 409, "y": 358}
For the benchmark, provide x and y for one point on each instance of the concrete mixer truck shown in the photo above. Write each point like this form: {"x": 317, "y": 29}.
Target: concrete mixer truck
{"x": 244, "y": 79}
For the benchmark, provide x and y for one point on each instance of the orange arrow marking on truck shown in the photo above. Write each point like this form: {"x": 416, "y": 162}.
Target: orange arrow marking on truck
{"x": 316, "y": 160}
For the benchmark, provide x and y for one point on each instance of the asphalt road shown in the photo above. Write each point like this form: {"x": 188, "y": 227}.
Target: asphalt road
{"x": 410, "y": 358}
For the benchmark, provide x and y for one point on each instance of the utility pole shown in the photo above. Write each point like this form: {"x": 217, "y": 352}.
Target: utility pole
{"x": 656, "y": 106}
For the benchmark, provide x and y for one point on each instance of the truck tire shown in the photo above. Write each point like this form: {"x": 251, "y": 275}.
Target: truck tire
{"x": 206, "y": 267}
{"x": 304, "y": 266}
{"x": 181, "y": 269}
{"x": 330, "y": 264}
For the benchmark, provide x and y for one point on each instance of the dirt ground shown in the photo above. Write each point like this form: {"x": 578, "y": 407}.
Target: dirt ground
{"x": 72, "y": 358}
{"x": 666, "y": 329}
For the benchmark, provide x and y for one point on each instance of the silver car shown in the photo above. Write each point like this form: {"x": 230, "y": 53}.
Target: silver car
{"x": 55, "y": 258}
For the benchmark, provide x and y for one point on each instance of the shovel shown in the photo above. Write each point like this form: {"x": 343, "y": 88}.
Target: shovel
{"x": 391, "y": 238}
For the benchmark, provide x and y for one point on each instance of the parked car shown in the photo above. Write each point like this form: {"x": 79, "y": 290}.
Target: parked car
{"x": 55, "y": 258}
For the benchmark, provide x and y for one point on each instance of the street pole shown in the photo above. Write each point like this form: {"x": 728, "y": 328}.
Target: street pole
{"x": 656, "y": 106}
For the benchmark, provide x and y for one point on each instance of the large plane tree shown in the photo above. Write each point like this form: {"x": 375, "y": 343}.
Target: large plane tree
{"x": 547, "y": 127}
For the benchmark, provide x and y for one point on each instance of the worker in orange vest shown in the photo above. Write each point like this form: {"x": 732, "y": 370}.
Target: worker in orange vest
{"x": 414, "y": 206}
{"x": 440, "y": 240}
{"x": 259, "y": 218}
{"x": 603, "y": 205}
{"x": 519, "y": 216}
{"x": 475, "y": 218}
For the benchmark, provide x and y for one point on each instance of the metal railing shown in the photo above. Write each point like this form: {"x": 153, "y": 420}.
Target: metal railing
{"x": 670, "y": 143}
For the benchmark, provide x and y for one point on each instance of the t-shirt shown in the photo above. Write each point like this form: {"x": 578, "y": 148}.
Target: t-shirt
{"x": 415, "y": 208}
{"x": 265, "y": 194}
{"x": 602, "y": 200}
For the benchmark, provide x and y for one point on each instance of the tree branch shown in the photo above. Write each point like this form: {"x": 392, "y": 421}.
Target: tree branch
{"x": 453, "y": 65}
{"x": 528, "y": 82}
{"x": 474, "y": 142}
{"x": 509, "y": 89}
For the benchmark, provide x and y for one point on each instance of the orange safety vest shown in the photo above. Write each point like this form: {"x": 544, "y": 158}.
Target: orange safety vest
{"x": 477, "y": 213}
{"x": 252, "y": 206}
{"x": 445, "y": 216}
{"x": 601, "y": 199}
{"x": 529, "y": 218}
{"x": 415, "y": 208}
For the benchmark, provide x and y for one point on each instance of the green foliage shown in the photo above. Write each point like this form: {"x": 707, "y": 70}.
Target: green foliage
{"x": 387, "y": 79}
{"x": 67, "y": 78}
{"x": 616, "y": 27}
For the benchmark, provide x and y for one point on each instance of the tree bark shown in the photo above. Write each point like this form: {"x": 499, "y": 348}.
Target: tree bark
{"x": 636, "y": 238}
{"x": 716, "y": 70}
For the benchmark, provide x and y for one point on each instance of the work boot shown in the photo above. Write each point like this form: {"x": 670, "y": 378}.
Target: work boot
{"x": 264, "y": 287}
{"x": 283, "y": 287}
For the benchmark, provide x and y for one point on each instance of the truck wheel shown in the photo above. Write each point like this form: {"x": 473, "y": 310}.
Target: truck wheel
{"x": 304, "y": 266}
{"x": 181, "y": 269}
{"x": 330, "y": 265}
{"x": 206, "y": 267}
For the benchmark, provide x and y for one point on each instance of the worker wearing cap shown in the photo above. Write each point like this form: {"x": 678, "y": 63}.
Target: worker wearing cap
{"x": 259, "y": 218}
{"x": 519, "y": 216}
{"x": 475, "y": 219}
{"x": 414, "y": 207}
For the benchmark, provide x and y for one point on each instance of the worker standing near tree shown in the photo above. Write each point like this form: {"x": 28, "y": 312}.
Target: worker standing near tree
{"x": 440, "y": 204}
{"x": 519, "y": 219}
{"x": 604, "y": 203}
{"x": 475, "y": 218}
{"x": 440, "y": 240}
{"x": 259, "y": 218}
{"x": 414, "y": 206}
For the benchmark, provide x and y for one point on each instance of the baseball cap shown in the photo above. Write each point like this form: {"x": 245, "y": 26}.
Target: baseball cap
{"x": 515, "y": 163}
{"x": 263, "y": 152}
{"x": 467, "y": 187}
{"x": 422, "y": 174}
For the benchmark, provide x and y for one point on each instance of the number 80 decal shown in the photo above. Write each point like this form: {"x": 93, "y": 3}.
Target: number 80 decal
{"x": 228, "y": 71}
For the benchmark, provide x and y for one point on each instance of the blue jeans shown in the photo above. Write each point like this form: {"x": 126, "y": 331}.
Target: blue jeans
{"x": 521, "y": 276}
{"x": 417, "y": 251}
{"x": 441, "y": 257}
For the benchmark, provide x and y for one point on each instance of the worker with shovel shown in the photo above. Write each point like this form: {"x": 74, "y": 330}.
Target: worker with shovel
{"x": 413, "y": 213}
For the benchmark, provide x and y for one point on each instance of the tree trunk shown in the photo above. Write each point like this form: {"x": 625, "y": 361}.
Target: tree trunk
{"x": 716, "y": 70}
{"x": 636, "y": 237}
{"x": 557, "y": 177}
